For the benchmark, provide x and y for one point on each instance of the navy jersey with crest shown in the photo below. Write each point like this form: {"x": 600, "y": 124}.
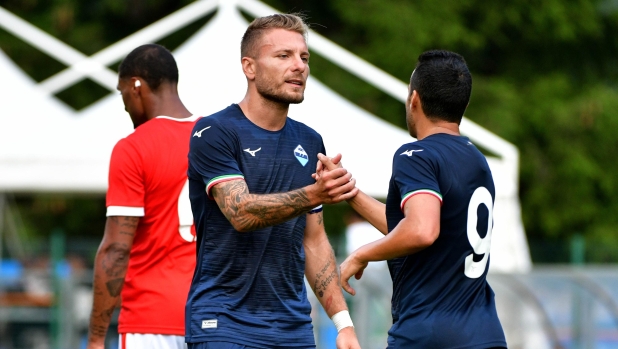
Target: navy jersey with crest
{"x": 441, "y": 298}
{"x": 248, "y": 288}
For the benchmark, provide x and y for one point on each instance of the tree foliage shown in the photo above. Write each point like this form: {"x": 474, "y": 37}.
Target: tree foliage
{"x": 544, "y": 75}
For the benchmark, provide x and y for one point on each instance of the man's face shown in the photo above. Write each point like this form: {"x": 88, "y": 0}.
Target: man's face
{"x": 132, "y": 101}
{"x": 282, "y": 66}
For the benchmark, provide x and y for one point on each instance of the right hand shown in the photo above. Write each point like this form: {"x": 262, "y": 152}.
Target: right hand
{"x": 333, "y": 183}
{"x": 351, "y": 266}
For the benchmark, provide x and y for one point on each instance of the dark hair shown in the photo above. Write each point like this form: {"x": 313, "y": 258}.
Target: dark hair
{"x": 443, "y": 83}
{"x": 153, "y": 63}
{"x": 259, "y": 25}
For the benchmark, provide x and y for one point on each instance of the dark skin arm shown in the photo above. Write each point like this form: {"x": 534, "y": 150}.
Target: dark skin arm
{"x": 247, "y": 212}
{"x": 110, "y": 268}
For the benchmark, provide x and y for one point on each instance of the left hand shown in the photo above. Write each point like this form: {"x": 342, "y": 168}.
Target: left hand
{"x": 351, "y": 266}
{"x": 346, "y": 339}
{"x": 326, "y": 163}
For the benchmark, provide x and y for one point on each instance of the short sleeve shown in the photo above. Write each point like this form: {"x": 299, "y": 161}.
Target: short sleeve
{"x": 212, "y": 153}
{"x": 125, "y": 193}
{"x": 414, "y": 172}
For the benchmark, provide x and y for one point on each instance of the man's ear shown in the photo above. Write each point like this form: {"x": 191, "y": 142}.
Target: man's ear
{"x": 416, "y": 100}
{"x": 136, "y": 86}
{"x": 248, "y": 67}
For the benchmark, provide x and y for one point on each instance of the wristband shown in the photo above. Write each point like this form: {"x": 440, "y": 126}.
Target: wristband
{"x": 342, "y": 320}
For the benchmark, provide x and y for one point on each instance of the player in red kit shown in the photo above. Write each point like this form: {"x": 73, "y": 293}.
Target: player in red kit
{"x": 147, "y": 255}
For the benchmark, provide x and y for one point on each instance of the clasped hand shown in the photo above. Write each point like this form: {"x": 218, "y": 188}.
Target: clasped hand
{"x": 334, "y": 183}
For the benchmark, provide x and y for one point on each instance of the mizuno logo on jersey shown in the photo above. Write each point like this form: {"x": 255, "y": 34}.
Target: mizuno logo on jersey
{"x": 252, "y": 152}
{"x": 301, "y": 155}
{"x": 199, "y": 133}
{"x": 411, "y": 152}
{"x": 209, "y": 323}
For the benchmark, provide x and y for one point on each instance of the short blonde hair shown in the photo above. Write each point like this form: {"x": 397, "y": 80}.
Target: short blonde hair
{"x": 292, "y": 22}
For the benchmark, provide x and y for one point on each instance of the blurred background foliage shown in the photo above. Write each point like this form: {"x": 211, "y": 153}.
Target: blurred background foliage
{"x": 545, "y": 78}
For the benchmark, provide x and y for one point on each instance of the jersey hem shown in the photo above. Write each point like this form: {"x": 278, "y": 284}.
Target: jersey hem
{"x": 482, "y": 345}
{"x": 236, "y": 340}
{"x": 125, "y": 211}
{"x": 172, "y": 331}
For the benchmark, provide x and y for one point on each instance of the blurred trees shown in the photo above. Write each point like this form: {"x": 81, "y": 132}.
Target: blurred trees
{"x": 545, "y": 78}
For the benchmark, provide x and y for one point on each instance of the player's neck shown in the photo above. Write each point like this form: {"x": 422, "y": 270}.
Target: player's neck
{"x": 265, "y": 113}
{"x": 167, "y": 102}
{"x": 170, "y": 106}
{"x": 428, "y": 127}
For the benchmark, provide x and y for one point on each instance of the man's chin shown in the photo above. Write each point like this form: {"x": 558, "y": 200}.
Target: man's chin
{"x": 284, "y": 98}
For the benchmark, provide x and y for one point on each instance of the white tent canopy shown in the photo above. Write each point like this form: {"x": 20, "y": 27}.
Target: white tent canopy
{"x": 44, "y": 146}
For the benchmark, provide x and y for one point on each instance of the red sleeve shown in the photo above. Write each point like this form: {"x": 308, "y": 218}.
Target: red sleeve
{"x": 125, "y": 194}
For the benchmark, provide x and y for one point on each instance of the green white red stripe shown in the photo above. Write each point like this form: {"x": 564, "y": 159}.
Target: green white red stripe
{"x": 420, "y": 191}
{"x": 221, "y": 179}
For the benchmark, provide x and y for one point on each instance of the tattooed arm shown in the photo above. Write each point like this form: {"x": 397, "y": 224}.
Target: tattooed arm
{"x": 248, "y": 211}
{"x": 322, "y": 275}
{"x": 110, "y": 268}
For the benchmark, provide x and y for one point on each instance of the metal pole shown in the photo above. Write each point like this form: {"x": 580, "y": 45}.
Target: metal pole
{"x": 2, "y": 204}
{"x": 57, "y": 255}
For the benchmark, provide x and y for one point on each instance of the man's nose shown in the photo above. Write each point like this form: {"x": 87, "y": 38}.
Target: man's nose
{"x": 299, "y": 65}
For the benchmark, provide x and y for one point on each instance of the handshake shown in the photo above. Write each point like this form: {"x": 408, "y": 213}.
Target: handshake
{"x": 333, "y": 182}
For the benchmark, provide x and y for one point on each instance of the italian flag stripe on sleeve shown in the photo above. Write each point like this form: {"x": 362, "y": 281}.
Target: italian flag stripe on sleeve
{"x": 420, "y": 191}
{"x": 221, "y": 179}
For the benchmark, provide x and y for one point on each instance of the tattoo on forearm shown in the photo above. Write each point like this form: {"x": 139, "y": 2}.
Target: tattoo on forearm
{"x": 99, "y": 321}
{"x": 114, "y": 287}
{"x": 320, "y": 218}
{"x": 98, "y": 331}
{"x": 116, "y": 259}
{"x": 252, "y": 211}
{"x": 325, "y": 277}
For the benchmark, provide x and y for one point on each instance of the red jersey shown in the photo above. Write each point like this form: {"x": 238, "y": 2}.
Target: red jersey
{"x": 148, "y": 179}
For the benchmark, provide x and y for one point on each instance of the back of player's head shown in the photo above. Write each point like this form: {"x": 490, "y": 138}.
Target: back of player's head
{"x": 443, "y": 83}
{"x": 153, "y": 63}
{"x": 259, "y": 26}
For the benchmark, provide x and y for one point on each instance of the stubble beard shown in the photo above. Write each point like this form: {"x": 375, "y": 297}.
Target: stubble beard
{"x": 410, "y": 123}
{"x": 268, "y": 90}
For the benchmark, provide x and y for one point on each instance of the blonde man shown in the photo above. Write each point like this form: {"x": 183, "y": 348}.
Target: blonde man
{"x": 258, "y": 211}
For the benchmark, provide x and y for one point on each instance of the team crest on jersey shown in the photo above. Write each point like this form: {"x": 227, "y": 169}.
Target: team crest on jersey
{"x": 301, "y": 155}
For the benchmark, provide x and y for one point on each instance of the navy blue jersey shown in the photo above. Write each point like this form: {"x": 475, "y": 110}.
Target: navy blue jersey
{"x": 441, "y": 298}
{"x": 248, "y": 288}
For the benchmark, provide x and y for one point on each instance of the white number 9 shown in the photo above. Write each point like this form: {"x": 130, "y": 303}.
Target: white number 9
{"x": 480, "y": 245}
{"x": 185, "y": 216}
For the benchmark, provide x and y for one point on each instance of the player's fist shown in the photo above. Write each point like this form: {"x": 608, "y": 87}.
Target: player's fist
{"x": 346, "y": 339}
